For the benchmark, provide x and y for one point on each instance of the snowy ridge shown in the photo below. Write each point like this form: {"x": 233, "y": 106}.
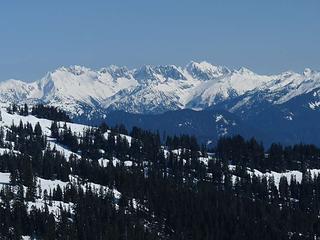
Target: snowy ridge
{"x": 153, "y": 89}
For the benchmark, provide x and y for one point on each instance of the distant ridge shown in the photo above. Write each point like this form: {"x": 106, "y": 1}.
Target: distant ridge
{"x": 284, "y": 107}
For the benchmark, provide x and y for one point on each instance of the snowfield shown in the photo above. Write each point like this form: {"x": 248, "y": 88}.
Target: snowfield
{"x": 9, "y": 119}
{"x": 289, "y": 175}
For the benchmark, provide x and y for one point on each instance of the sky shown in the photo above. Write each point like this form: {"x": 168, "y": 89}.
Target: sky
{"x": 267, "y": 36}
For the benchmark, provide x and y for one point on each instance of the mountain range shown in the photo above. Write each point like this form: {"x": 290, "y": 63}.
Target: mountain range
{"x": 200, "y": 98}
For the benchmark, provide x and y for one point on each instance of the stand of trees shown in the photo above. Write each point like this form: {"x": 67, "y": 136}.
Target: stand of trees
{"x": 40, "y": 111}
{"x": 166, "y": 193}
{"x": 249, "y": 153}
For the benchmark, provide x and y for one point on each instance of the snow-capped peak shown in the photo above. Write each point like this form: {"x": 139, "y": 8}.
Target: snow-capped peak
{"x": 74, "y": 69}
{"x": 146, "y": 72}
{"x": 156, "y": 74}
{"x": 116, "y": 72}
{"x": 308, "y": 72}
{"x": 244, "y": 70}
{"x": 205, "y": 70}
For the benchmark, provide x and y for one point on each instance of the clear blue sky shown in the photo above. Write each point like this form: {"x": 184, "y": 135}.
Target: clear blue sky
{"x": 267, "y": 36}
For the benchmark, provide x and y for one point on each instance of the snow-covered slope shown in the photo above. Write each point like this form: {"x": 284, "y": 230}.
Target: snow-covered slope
{"x": 70, "y": 88}
{"x": 226, "y": 87}
{"x": 46, "y": 186}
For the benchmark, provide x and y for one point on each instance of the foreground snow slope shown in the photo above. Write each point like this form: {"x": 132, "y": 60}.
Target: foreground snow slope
{"x": 47, "y": 184}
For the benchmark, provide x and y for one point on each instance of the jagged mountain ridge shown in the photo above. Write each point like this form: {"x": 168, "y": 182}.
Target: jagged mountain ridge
{"x": 282, "y": 107}
{"x": 156, "y": 89}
